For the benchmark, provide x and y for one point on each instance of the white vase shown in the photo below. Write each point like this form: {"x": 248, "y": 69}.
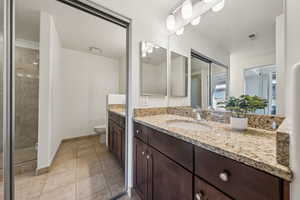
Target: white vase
{"x": 239, "y": 124}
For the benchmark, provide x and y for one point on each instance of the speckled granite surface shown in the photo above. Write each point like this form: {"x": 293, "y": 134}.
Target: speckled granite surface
{"x": 283, "y": 143}
{"x": 254, "y": 147}
{"x": 254, "y": 121}
{"x": 117, "y": 108}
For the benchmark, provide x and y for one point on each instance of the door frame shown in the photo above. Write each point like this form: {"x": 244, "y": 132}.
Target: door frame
{"x": 8, "y": 83}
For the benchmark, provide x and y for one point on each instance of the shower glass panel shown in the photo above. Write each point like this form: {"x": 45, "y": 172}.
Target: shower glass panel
{"x": 200, "y": 83}
{"x": 261, "y": 81}
{"x": 26, "y": 102}
{"x": 1, "y": 98}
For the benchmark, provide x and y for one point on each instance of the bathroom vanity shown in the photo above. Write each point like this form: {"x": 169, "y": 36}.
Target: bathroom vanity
{"x": 116, "y": 135}
{"x": 176, "y": 163}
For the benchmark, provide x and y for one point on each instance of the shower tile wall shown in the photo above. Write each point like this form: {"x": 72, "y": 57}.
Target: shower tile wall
{"x": 26, "y": 91}
{"x": 26, "y": 109}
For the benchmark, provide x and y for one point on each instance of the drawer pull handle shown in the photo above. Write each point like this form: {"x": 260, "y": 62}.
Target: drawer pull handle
{"x": 224, "y": 176}
{"x": 148, "y": 157}
{"x": 143, "y": 153}
{"x": 137, "y": 131}
{"x": 199, "y": 196}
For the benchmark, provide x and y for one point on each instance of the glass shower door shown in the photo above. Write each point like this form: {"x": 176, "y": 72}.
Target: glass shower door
{"x": 1, "y": 99}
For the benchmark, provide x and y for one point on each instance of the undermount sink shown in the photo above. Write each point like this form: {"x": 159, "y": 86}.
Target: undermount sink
{"x": 189, "y": 125}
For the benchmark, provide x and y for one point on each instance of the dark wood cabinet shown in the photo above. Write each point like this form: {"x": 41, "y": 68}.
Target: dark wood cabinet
{"x": 167, "y": 180}
{"x": 228, "y": 175}
{"x": 116, "y": 137}
{"x": 167, "y": 168}
{"x": 140, "y": 168}
{"x": 156, "y": 177}
{"x": 204, "y": 191}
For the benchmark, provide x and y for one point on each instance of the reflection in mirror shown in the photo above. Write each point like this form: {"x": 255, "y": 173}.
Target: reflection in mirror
{"x": 179, "y": 75}
{"x": 199, "y": 83}
{"x": 153, "y": 68}
{"x": 261, "y": 81}
{"x": 209, "y": 82}
{"x": 219, "y": 84}
{"x": 235, "y": 38}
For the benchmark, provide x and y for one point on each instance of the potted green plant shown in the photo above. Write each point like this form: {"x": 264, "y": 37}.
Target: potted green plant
{"x": 239, "y": 107}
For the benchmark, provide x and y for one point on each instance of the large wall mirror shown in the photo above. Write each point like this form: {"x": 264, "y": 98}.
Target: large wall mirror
{"x": 153, "y": 69}
{"x": 233, "y": 52}
{"x": 178, "y": 75}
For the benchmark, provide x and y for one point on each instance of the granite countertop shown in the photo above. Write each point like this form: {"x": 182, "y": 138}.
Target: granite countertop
{"x": 119, "y": 111}
{"x": 253, "y": 147}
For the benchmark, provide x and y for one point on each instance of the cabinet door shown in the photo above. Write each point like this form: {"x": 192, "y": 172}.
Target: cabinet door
{"x": 110, "y": 135}
{"x": 167, "y": 179}
{"x": 123, "y": 132}
{"x": 118, "y": 143}
{"x": 204, "y": 191}
{"x": 140, "y": 168}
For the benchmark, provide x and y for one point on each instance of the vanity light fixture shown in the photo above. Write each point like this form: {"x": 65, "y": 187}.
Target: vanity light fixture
{"x": 171, "y": 21}
{"x": 180, "y": 31}
{"x": 219, "y": 6}
{"x": 187, "y": 9}
{"x": 196, "y": 21}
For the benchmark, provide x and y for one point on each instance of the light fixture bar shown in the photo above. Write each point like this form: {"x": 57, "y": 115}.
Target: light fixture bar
{"x": 200, "y": 8}
{"x": 179, "y": 6}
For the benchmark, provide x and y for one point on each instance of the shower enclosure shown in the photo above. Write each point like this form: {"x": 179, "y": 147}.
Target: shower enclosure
{"x": 26, "y": 109}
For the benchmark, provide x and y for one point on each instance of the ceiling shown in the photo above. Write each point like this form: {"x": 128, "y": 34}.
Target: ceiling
{"x": 77, "y": 30}
{"x": 239, "y": 18}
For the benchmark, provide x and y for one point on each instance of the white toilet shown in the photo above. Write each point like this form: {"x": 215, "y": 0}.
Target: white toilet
{"x": 102, "y": 132}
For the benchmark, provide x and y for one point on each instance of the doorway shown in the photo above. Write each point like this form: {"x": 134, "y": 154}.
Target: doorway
{"x": 63, "y": 75}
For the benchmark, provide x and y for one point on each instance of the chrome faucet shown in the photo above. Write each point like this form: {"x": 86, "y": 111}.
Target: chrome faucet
{"x": 197, "y": 110}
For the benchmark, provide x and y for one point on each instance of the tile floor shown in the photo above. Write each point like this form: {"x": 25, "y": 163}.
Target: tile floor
{"x": 83, "y": 170}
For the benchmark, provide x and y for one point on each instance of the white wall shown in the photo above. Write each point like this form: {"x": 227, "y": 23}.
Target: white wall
{"x": 122, "y": 75}
{"x": 86, "y": 80}
{"x": 49, "y": 135}
{"x": 293, "y": 57}
{"x": 240, "y": 61}
{"x": 281, "y": 64}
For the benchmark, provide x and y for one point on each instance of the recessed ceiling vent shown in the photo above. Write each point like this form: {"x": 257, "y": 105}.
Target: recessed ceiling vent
{"x": 252, "y": 36}
{"x": 95, "y": 50}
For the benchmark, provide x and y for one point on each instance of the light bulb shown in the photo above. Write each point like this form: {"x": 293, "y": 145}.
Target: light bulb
{"x": 219, "y": 6}
{"x": 207, "y": 1}
{"x": 171, "y": 22}
{"x": 196, "y": 21}
{"x": 180, "y": 31}
{"x": 187, "y": 9}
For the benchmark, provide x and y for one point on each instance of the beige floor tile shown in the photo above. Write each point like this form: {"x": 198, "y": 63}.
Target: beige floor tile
{"x": 61, "y": 166}
{"x": 91, "y": 185}
{"x": 83, "y": 170}
{"x": 88, "y": 171}
{"x": 87, "y": 151}
{"x": 61, "y": 193}
{"x": 102, "y": 195}
{"x": 59, "y": 180}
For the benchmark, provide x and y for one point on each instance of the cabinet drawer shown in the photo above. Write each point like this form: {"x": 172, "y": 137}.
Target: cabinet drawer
{"x": 206, "y": 191}
{"x": 176, "y": 149}
{"x": 235, "y": 179}
{"x": 140, "y": 131}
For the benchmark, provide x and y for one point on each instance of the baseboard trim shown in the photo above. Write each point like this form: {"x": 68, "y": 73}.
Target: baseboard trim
{"x": 42, "y": 171}
{"x": 79, "y": 137}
